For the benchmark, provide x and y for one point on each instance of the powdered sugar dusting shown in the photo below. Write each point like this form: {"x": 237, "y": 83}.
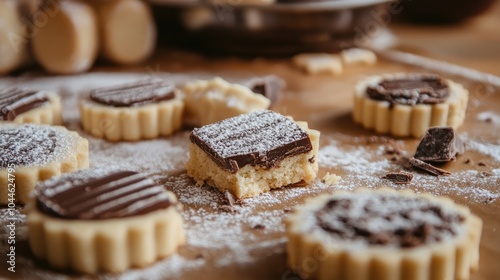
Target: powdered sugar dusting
{"x": 34, "y": 145}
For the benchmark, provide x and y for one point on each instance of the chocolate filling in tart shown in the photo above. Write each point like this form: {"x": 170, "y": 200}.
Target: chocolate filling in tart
{"x": 411, "y": 90}
{"x": 96, "y": 194}
{"x": 261, "y": 138}
{"x": 15, "y": 101}
{"x": 33, "y": 145}
{"x": 439, "y": 144}
{"x": 135, "y": 94}
{"x": 388, "y": 219}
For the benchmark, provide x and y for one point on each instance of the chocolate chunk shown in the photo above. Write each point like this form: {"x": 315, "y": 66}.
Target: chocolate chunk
{"x": 259, "y": 226}
{"x": 97, "y": 194}
{"x": 467, "y": 161}
{"x": 262, "y": 138}
{"x": 411, "y": 90}
{"x": 399, "y": 177}
{"x": 15, "y": 101}
{"x": 269, "y": 86}
{"x": 230, "y": 199}
{"x": 439, "y": 144}
{"x": 482, "y": 163}
{"x": 387, "y": 219}
{"x": 135, "y": 94}
{"x": 427, "y": 167}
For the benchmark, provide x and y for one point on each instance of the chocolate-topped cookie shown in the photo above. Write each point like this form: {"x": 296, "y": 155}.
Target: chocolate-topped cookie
{"x": 20, "y": 105}
{"x": 269, "y": 86}
{"x": 408, "y": 104}
{"x": 383, "y": 234}
{"x": 115, "y": 219}
{"x": 253, "y": 153}
{"x": 35, "y": 153}
{"x": 130, "y": 112}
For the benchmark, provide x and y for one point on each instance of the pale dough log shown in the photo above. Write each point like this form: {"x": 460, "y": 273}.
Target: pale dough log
{"x": 13, "y": 38}
{"x": 68, "y": 43}
{"x": 127, "y": 30}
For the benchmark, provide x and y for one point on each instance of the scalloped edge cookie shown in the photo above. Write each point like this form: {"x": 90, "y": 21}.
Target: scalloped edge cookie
{"x": 317, "y": 258}
{"x": 209, "y": 101}
{"x": 147, "y": 121}
{"x": 405, "y": 120}
{"x": 27, "y": 177}
{"x": 110, "y": 245}
{"x": 49, "y": 113}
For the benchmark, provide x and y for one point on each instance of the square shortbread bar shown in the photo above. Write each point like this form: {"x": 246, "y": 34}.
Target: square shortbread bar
{"x": 253, "y": 153}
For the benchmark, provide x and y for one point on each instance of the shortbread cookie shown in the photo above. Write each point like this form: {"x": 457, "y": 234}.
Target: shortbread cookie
{"x": 315, "y": 63}
{"x": 383, "y": 234}
{"x": 215, "y": 100}
{"x": 31, "y": 153}
{"x": 29, "y": 106}
{"x": 355, "y": 56}
{"x": 253, "y": 153}
{"x": 103, "y": 220}
{"x": 408, "y": 104}
{"x": 142, "y": 110}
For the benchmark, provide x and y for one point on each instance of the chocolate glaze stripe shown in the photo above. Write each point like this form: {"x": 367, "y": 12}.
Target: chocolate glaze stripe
{"x": 15, "y": 101}
{"x": 103, "y": 197}
{"x": 114, "y": 194}
{"x": 139, "y": 93}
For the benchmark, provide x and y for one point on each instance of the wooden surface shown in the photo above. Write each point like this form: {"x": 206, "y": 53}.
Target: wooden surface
{"x": 326, "y": 102}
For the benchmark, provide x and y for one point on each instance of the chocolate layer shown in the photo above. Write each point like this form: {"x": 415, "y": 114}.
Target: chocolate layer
{"x": 261, "y": 138}
{"x": 388, "y": 219}
{"x": 96, "y": 194}
{"x": 411, "y": 90}
{"x": 15, "y": 101}
{"x": 135, "y": 94}
{"x": 439, "y": 144}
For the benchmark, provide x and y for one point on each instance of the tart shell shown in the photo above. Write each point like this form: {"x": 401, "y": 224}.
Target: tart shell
{"x": 405, "y": 120}
{"x": 110, "y": 245}
{"x": 322, "y": 259}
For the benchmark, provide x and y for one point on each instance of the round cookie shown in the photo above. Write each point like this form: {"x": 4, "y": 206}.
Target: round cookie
{"x": 131, "y": 112}
{"x": 408, "y": 104}
{"x": 103, "y": 221}
{"x": 383, "y": 234}
{"x": 19, "y": 106}
{"x": 32, "y": 153}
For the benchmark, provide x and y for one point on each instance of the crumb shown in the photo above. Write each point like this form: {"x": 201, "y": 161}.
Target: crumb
{"x": 229, "y": 209}
{"x": 395, "y": 158}
{"x": 400, "y": 177}
{"x": 489, "y": 200}
{"x": 199, "y": 256}
{"x": 482, "y": 163}
{"x": 259, "y": 226}
{"x": 230, "y": 199}
{"x": 330, "y": 179}
{"x": 315, "y": 63}
{"x": 484, "y": 174}
{"x": 488, "y": 119}
{"x": 392, "y": 150}
{"x": 467, "y": 161}
{"x": 286, "y": 210}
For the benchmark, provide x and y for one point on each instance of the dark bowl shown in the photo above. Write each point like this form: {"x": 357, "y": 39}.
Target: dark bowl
{"x": 273, "y": 30}
{"x": 443, "y": 11}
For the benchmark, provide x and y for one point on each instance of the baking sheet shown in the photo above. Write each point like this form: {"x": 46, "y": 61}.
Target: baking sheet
{"x": 249, "y": 243}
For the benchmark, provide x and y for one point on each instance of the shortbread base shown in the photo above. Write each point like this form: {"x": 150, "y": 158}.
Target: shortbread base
{"x": 26, "y": 178}
{"x": 49, "y": 113}
{"x": 317, "y": 258}
{"x": 404, "y": 120}
{"x": 132, "y": 123}
{"x": 215, "y": 100}
{"x": 111, "y": 245}
{"x": 250, "y": 181}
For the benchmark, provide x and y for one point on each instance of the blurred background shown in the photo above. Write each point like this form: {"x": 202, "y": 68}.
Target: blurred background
{"x": 64, "y": 37}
